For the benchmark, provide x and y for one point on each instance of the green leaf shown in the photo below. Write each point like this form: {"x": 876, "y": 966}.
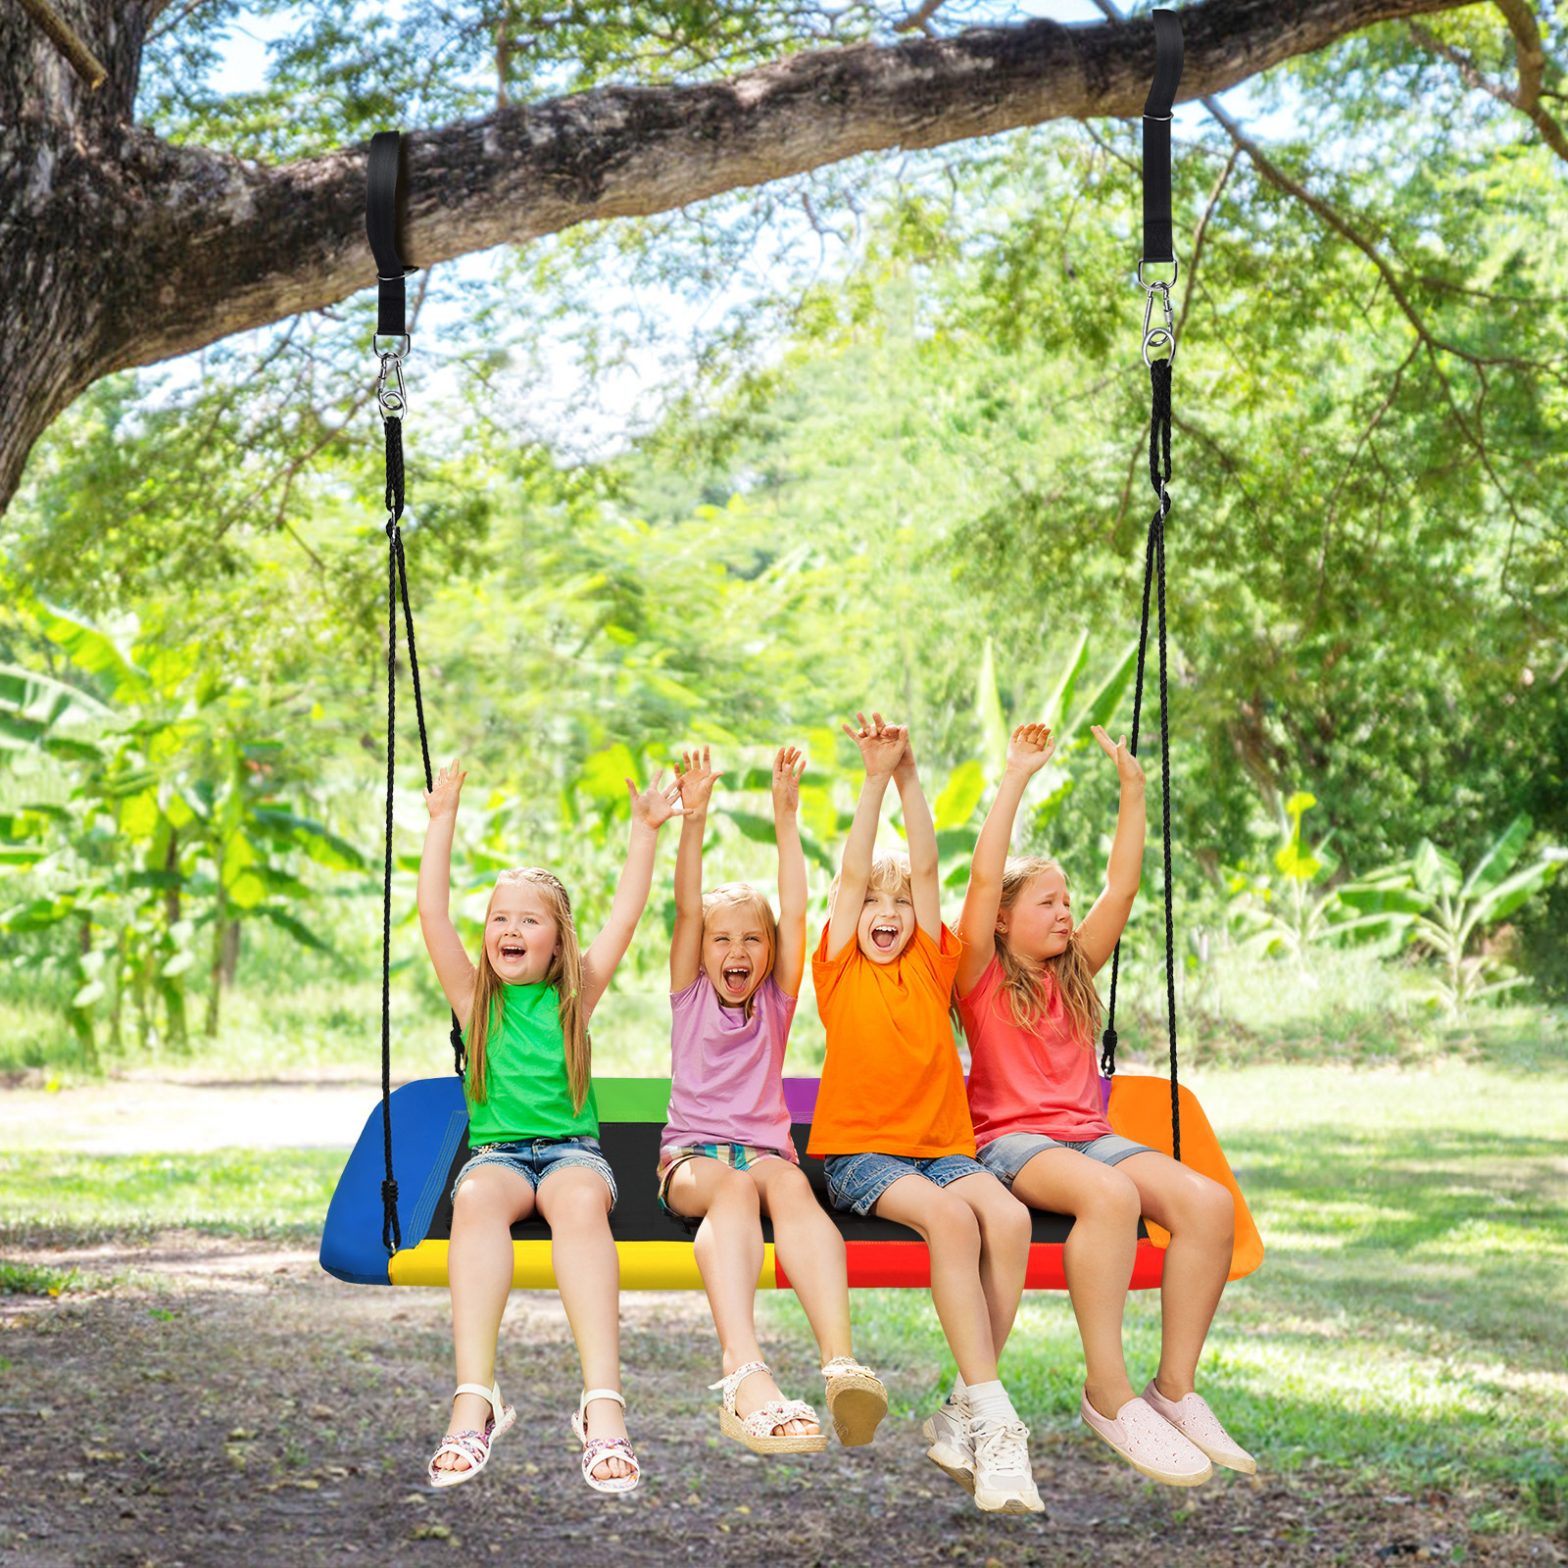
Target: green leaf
{"x": 37, "y": 914}
{"x": 177, "y": 965}
{"x": 1056, "y": 706}
{"x": 1500, "y": 858}
{"x": 988, "y": 712}
{"x": 312, "y": 838}
{"x": 1436, "y": 872}
{"x": 604, "y": 773}
{"x": 1509, "y": 894}
{"x": 93, "y": 651}
{"x": 1101, "y": 707}
{"x": 88, "y": 994}
{"x": 960, "y": 795}
{"x": 296, "y": 928}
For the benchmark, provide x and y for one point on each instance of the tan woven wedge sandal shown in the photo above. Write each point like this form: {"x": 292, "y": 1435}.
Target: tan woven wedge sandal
{"x": 756, "y": 1430}
{"x": 857, "y": 1401}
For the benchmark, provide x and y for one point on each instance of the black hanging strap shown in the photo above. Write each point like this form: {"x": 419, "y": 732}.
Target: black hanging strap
{"x": 381, "y": 220}
{"x": 1157, "y": 238}
{"x": 1159, "y": 353}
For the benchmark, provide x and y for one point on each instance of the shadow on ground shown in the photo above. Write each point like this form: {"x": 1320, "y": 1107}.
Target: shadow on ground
{"x": 227, "y": 1402}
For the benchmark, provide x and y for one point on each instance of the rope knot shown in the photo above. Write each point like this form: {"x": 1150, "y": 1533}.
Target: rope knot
{"x": 1108, "y": 1053}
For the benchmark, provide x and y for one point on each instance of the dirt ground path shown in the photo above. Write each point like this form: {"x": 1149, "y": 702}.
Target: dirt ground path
{"x": 228, "y": 1402}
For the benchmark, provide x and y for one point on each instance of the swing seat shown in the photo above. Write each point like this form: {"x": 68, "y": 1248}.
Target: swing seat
{"x": 430, "y": 1145}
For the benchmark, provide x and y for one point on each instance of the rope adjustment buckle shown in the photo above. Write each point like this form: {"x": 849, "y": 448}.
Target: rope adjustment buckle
{"x": 391, "y": 393}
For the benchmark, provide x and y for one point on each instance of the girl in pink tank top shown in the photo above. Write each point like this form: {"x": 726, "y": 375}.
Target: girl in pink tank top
{"x": 1027, "y": 1000}
{"x": 727, "y": 1157}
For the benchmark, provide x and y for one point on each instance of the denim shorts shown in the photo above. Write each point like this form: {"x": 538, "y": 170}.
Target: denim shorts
{"x": 1004, "y": 1157}
{"x": 534, "y": 1158}
{"x": 856, "y": 1181}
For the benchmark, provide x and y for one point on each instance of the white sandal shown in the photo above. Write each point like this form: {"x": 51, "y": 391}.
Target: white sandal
{"x": 756, "y": 1430}
{"x": 597, "y": 1449}
{"x": 857, "y": 1401}
{"x": 471, "y": 1445}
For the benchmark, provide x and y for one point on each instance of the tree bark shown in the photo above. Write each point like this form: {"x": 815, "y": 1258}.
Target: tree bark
{"x": 119, "y": 249}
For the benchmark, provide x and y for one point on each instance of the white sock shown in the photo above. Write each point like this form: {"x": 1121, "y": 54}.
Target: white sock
{"x": 989, "y": 1402}
{"x": 959, "y": 1391}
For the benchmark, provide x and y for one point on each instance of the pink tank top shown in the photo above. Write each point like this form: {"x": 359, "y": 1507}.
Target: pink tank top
{"x": 727, "y": 1070}
{"x": 1041, "y": 1079}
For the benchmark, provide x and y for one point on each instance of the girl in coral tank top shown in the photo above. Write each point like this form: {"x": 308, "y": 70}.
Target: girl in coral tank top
{"x": 1026, "y": 995}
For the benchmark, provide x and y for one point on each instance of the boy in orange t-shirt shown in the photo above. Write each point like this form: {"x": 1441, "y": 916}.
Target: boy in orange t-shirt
{"x": 892, "y": 1121}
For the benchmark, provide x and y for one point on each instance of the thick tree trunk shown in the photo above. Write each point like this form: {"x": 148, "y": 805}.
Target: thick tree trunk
{"x": 118, "y": 249}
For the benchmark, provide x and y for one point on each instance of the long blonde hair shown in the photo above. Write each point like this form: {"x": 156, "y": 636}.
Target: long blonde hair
{"x": 745, "y": 896}
{"x": 1024, "y": 980}
{"x": 565, "y": 973}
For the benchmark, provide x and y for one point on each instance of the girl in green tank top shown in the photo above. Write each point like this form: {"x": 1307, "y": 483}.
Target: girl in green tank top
{"x": 533, "y": 1125}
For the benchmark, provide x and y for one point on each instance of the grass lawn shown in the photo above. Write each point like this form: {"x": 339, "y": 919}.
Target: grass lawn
{"x": 1406, "y": 1324}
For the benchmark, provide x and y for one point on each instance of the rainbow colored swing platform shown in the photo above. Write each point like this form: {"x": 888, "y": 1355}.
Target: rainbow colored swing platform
{"x": 391, "y": 1215}
{"x": 430, "y": 1140}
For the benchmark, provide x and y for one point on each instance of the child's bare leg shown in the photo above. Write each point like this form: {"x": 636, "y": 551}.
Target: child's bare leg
{"x": 952, "y": 1234}
{"x": 1005, "y": 1231}
{"x": 1098, "y": 1257}
{"x": 1201, "y": 1217}
{"x": 728, "y": 1246}
{"x": 811, "y": 1248}
{"x": 576, "y": 1205}
{"x": 479, "y": 1270}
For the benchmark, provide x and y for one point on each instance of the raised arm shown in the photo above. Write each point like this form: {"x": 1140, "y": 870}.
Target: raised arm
{"x": 790, "y": 962}
{"x": 1027, "y": 752}
{"x": 695, "y": 776}
{"x": 880, "y": 748}
{"x": 454, "y": 968}
{"x": 1102, "y": 926}
{"x": 920, "y": 835}
{"x": 650, "y": 811}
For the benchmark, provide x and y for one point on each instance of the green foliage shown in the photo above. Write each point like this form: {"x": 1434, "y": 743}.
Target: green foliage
{"x": 174, "y": 823}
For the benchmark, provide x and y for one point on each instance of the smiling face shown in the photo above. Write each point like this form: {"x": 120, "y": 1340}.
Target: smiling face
{"x": 887, "y": 917}
{"x": 737, "y": 948}
{"x": 522, "y": 934}
{"x": 1038, "y": 922}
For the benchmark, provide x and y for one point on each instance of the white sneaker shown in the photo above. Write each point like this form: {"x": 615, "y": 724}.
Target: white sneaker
{"x": 951, "y": 1449}
{"x": 1004, "y": 1481}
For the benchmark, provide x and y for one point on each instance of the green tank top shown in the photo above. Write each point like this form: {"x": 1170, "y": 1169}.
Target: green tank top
{"x": 527, "y": 1094}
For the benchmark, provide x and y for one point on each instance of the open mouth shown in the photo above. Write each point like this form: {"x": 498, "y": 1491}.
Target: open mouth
{"x": 884, "y": 935}
{"x": 512, "y": 951}
{"x": 736, "y": 979}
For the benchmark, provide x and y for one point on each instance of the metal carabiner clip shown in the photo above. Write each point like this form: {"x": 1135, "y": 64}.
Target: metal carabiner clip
{"x": 393, "y": 399}
{"x": 1158, "y": 342}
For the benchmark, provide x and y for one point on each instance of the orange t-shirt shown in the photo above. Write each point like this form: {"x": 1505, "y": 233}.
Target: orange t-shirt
{"x": 892, "y": 1082}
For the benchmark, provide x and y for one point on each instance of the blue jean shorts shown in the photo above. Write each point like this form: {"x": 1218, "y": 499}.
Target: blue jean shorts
{"x": 1004, "y": 1157}
{"x": 856, "y": 1181}
{"x": 534, "y": 1158}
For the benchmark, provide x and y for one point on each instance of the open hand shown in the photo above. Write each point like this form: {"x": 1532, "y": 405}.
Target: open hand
{"x": 695, "y": 777}
{"x": 441, "y": 798}
{"x": 1127, "y": 767}
{"x": 654, "y": 806}
{"x": 788, "y": 765}
{"x": 1030, "y": 748}
{"x": 881, "y": 744}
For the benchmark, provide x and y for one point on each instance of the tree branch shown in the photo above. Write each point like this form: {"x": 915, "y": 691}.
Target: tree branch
{"x": 257, "y": 244}
{"x": 60, "y": 33}
{"x": 1526, "y": 97}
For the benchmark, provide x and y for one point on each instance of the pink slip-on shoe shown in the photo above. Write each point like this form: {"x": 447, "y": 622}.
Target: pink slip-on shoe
{"x": 1150, "y": 1444}
{"x": 1192, "y": 1417}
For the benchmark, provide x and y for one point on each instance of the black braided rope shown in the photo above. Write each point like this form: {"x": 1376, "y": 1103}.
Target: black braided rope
{"x": 1154, "y": 568}
{"x": 456, "y": 1035}
{"x": 391, "y": 1231}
